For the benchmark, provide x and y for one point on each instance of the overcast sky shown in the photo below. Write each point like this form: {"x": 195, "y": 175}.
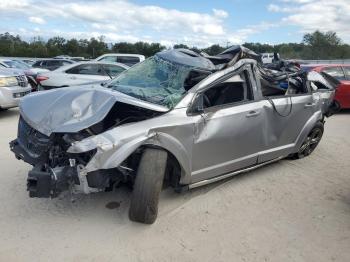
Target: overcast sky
{"x": 193, "y": 22}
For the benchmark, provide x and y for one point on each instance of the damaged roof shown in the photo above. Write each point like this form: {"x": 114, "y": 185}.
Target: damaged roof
{"x": 188, "y": 58}
{"x": 206, "y": 62}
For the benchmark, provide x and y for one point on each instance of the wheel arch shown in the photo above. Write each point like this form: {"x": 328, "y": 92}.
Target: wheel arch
{"x": 316, "y": 117}
{"x": 176, "y": 150}
{"x": 111, "y": 159}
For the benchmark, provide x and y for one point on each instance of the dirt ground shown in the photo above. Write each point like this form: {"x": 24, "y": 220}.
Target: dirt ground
{"x": 287, "y": 211}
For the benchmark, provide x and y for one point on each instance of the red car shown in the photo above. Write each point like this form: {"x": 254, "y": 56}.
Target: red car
{"x": 340, "y": 72}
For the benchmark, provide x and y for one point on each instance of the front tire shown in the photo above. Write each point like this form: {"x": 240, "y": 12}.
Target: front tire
{"x": 310, "y": 142}
{"x": 147, "y": 187}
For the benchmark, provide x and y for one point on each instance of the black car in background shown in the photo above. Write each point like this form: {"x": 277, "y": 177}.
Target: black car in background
{"x": 52, "y": 64}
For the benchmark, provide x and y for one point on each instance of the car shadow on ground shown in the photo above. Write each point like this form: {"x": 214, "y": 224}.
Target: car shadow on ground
{"x": 113, "y": 206}
{"x": 343, "y": 111}
{"x": 7, "y": 114}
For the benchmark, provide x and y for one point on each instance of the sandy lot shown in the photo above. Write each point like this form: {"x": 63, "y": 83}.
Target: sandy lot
{"x": 287, "y": 211}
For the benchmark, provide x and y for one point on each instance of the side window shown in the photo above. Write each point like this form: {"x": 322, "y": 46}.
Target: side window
{"x": 318, "y": 86}
{"x": 128, "y": 60}
{"x": 53, "y": 63}
{"x": 88, "y": 69}
{"x": 294, "y": 86}
{"x": 347, "y": 72}
{"x": 112, "y": 70}
{"x": 63, "y": 63}
{"x": 37, "y": 63}
{"x": 111, "y": 59}
{"x": 335, "y": 71}
{"x": 233, "y": 90}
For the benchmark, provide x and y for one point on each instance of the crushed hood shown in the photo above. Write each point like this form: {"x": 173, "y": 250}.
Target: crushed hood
{"x": 71, "y": 109}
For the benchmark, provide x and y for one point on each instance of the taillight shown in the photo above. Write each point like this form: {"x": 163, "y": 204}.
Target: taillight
{"x": 41, "y": 78}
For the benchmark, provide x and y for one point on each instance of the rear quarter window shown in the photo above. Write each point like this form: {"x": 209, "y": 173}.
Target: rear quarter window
{"x": 111, "y": 59}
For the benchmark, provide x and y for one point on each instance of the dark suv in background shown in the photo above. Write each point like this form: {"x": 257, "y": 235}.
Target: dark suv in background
{"x": 52, "y": 64}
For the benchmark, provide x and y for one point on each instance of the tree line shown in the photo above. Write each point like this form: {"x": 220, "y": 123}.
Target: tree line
{"x": 316, "y": 45}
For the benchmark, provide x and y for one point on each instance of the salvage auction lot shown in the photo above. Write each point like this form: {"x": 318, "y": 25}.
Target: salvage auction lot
{"x": 287, "y": 211}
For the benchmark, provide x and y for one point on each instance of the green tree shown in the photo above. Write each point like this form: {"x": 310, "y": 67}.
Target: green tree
{"x": 322, "y": 45}
{"x": 178, "y": 46}
{"x": 316, "y": 45}
{"x": 213, "y": 50}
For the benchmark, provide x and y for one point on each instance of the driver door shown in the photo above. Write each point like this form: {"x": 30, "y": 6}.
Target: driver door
{"x": 229, "y": 134}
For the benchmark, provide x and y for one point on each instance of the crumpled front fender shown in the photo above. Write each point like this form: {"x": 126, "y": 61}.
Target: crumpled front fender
{"x": 111, "y": 153}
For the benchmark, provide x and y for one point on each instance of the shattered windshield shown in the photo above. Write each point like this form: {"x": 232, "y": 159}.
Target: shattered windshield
{"x": 155, "y": 80}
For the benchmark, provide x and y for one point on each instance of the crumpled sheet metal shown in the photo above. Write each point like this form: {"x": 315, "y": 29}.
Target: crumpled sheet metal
{"x": 71, "y": 109}
{"x": 115, "y": 145}
{"x": 176, "y": 56}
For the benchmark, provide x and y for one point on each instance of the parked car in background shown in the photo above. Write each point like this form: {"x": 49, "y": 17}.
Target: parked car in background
{"x": 28, "y": 61}
{"x": 79, "y": 73}
{"x": 268, "y": 58}
{"x": 52, "y": 64}
{"x": 342, "y": 73}
{"x": 13, "y": 86}
{"x": 30, "y": 72}
{"x": 127, "y": 59}
{"x": 74, "y": 58}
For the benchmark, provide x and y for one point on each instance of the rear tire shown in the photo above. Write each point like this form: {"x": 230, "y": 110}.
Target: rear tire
{"x": 147, "y": 187}
{"x": 310, "y": 142}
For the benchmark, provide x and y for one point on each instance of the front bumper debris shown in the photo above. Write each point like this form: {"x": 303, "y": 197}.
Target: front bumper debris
{"x": 50, "y": 182}
{"x": 54, "y": 171}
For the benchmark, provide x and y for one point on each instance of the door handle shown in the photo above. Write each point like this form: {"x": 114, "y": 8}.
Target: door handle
{"x": 253, "y": 113}
{"x": 309, "y": 105}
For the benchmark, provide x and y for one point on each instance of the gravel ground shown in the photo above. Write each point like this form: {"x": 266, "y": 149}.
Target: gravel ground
{"x": 287, "y": 211}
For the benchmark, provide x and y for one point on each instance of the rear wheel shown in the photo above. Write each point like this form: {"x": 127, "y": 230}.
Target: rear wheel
{"x": 311, "y": 141}
{"x": 147, "y": 187}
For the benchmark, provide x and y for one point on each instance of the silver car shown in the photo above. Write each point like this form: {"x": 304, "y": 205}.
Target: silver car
{"x": 178, "y": 119}
{"x": 13, "y": 86}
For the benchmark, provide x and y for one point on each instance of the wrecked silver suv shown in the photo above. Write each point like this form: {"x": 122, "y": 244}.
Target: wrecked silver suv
{"x": 179, "y": 118}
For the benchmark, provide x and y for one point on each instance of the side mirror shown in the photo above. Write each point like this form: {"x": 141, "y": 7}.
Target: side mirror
{"x": 198, "y": 105}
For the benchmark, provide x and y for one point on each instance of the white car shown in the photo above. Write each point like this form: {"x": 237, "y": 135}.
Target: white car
{"x": 30, "y": 72}
{"x": 13, "y": 86}
{"x": 126, "y": 59}
{"x": 79, "y": 74}
{"x": 267, "y": 58}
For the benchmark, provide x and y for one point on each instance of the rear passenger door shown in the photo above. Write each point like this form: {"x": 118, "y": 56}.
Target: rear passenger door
{"x": 284, "y": 118}
{"x": 228, "y": 136}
